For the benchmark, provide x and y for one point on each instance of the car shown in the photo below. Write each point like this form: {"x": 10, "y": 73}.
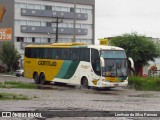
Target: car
{"x": 19, "y": 72}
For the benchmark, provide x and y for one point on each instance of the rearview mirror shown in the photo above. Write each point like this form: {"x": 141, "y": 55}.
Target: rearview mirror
{"x": 102, "y": 62}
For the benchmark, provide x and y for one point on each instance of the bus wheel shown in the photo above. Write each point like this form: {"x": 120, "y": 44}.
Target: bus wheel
{"x": 36, "y": 78}
{"x": 84, "y": 83}
{"x": 42, "y": 78}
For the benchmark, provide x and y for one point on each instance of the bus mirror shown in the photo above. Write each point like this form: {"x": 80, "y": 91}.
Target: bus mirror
{"x": 102, "y": 62}
{"x": 132, "y": 62}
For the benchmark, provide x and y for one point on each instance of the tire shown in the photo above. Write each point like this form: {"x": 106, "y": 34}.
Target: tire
{"x": 36, "y": 78}
{"x": 42, "y": 79}
{"x": 84, "y": 83}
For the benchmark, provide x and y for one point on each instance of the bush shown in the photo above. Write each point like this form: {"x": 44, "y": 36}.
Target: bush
{"x": 147, "y": 83}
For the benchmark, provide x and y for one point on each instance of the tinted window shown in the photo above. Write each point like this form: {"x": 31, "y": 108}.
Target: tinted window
{"x": 65, "y": 54}
{"x": 82, "y": 54}
{"x": 75, "y": 54}
{"x": 85, "y": 54}
{"x": 55, "y": 53}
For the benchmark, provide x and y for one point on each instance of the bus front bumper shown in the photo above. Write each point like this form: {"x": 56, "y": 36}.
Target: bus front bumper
{"x": 113, "y": 84}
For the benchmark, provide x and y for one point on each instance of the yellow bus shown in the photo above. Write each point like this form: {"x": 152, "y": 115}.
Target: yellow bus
{"x": 76, "y": 63}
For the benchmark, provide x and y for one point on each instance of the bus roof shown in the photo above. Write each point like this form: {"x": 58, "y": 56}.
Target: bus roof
{"x": 104, "y": 47}
{"x": 75, "y": 44}
{"x": 57, "y": 45}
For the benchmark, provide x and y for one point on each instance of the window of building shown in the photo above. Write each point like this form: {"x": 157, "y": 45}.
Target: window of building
{"x": 42, "y": 7}
{"x": 43, "y": 23}
{"x": 71, "y": 25}
{"x": 47, "y": 7}
{"x": 88, "y": 41}
{"x": 78, "y": 10}
{"x": 84, "y": 10}
{"x": 20, "y": 5}
{"x": 65, "y": 9}
{"x": 33, "y": 39}
{"x": 78, "y": 25}
{"x": 48, "y": 24}
{"x": 71, "y": 9}
{"x": 20, "y": 39}
{"x": 57, "y": 8}
{"x": 20, "y": 22}
{"x": 88, "y": 11}
{"x": 33, "y": 23}
{"x": 38, "y": 7}
{"x": 37, "y": 40}
{"x": 30, "y": 6}
{"x": 89, "y": 26}
{"x": 64, "y": 25}
{"x": 49, "y": 40}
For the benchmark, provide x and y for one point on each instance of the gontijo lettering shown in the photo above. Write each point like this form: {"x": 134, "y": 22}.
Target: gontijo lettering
{"x": 47, "y": 63}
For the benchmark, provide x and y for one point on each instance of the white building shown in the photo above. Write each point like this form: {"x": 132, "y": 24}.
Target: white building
{"x": 32, "y": 21}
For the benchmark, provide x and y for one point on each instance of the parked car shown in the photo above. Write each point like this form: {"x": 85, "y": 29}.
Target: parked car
{"x": 19, "y": 72}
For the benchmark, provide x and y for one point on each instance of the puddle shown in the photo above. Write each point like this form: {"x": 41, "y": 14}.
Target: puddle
{"x": 142, "y": 95}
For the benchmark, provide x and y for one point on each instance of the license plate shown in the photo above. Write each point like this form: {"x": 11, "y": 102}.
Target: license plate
{"x": 116, "y": 85}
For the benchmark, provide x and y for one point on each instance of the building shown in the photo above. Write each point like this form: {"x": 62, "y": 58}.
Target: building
{"x": 34, "y": 21}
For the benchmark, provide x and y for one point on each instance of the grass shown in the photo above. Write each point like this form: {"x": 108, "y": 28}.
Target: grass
{"x": 13, "y": 84}
{"x": 11, "y": 96}
{"x": 145, "y": 83}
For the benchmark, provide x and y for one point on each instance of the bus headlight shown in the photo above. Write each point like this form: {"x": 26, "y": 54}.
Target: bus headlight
{"x": 125, "y": 80}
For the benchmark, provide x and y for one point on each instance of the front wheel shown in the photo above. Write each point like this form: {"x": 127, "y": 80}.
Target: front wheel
{"x": 84, "y": 83}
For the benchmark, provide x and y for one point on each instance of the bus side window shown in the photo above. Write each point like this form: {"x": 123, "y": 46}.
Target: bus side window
{"x": 85, "y": 54}
{"x": 74, "y": 53}
{"x": 36, "y": 52}
{"x": 65, "y": 54}
{"x": 28, "y": 52}
{"x": 45, "y": 53}
{"x": 55, "y": 54}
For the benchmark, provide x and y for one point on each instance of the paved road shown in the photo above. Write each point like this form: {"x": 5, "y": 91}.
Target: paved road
{"x": 72, "y": 98}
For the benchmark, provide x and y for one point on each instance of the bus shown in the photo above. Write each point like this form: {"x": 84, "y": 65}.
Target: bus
{"x": 77, "y": 64}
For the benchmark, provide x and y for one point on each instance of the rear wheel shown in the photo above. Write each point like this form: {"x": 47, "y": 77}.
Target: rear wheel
{"x": 36, "y": 78}
{"x": 84, "y": 83}
{"x": 42, "y": 79}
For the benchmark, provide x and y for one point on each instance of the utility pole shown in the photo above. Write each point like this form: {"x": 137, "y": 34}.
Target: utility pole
{"x": 58, "y": 20}
{"x": 74, "y": 29}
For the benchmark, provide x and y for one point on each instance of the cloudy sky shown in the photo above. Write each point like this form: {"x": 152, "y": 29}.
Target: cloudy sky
{"x": 116, "y": 17}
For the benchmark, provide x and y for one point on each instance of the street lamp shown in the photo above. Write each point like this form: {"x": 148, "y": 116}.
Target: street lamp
{"x": 50, "y": 36}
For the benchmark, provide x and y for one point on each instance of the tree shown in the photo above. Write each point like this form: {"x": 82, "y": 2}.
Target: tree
{"x": 9, "y": 55}
{"x": 140, "y": 48}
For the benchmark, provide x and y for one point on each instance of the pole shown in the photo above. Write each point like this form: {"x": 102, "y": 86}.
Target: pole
{"x": 74, "y": 29}
{"x": 56, "y": 30}
{"x": 57, "y": 21}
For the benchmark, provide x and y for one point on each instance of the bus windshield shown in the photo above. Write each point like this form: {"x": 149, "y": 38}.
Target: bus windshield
{"x": 113, "y": 54}
{"x": 115, "y": 63}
